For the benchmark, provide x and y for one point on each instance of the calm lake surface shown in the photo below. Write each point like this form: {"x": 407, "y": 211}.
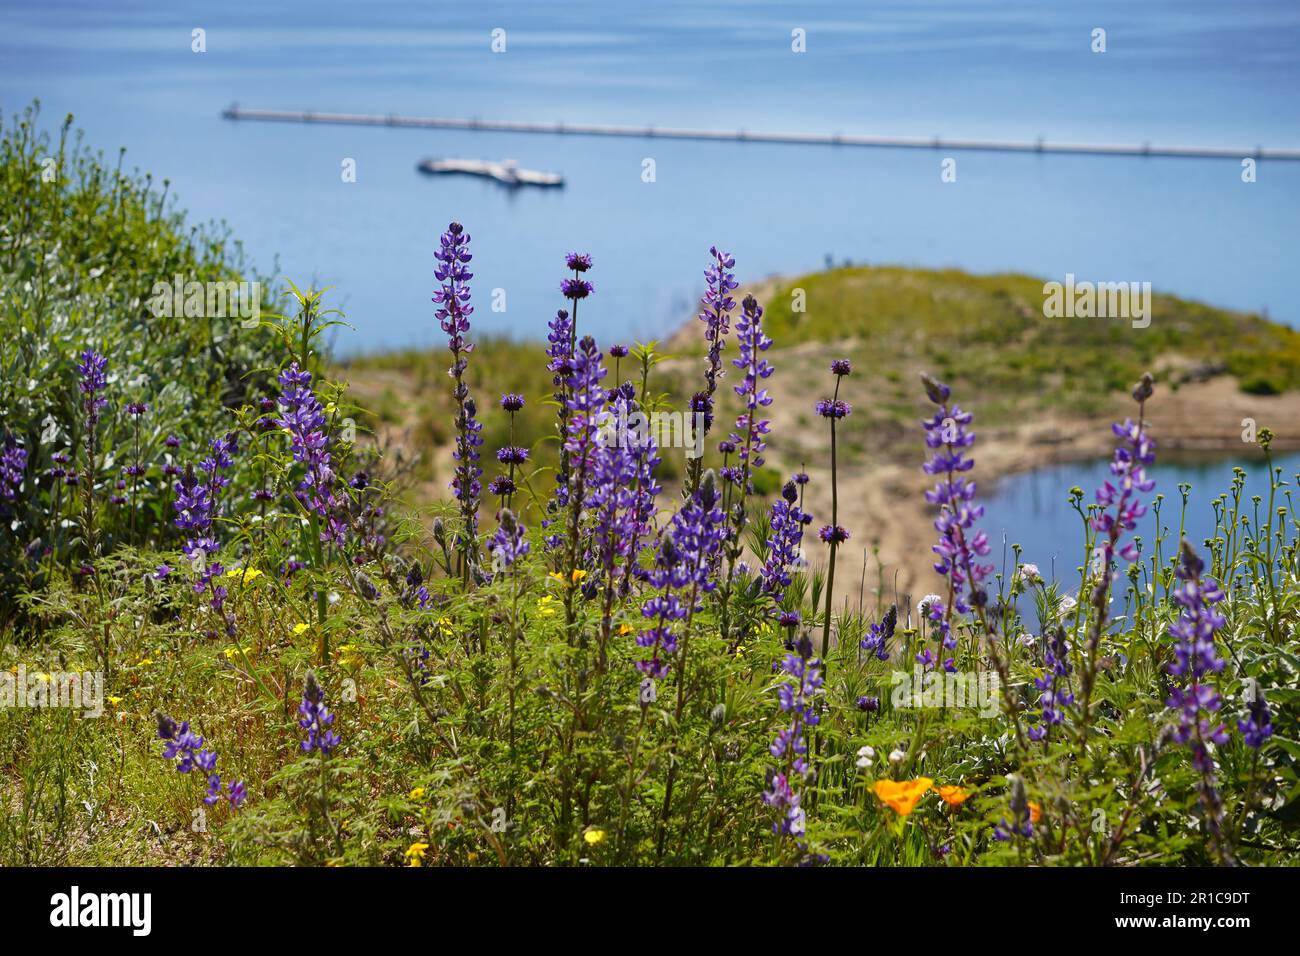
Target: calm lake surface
{"x": 1189, "y": 72}
{"x": 1033, "y": 509}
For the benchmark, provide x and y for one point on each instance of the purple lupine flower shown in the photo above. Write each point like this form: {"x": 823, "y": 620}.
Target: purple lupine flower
{"x": 93, "y": 381}
{"x": 879, "y": 634}
{"x": 13, "y": 466}
{"x": 186, "y": 748}
{"x": 685, "y": 558}
{"x": 1022, "y": 823}
{"x": 453, "y": 312}
{"x": 621, "y": 496}
{"x": 586, "y": 411}
{"x": 750, "y": 429}
{"x": 1257, "y": 726}
{"x": 316, "y": 718}
{"x": 787, "y": 522}
{"x": 716, "y": 315}
{"x": 303, "y": 417}
{"x": 797, "y": 697}
{"x": 1054, "y": 699}
{"x": 1195, "y": 659}
{"x": 197, "y": 507}
{"x": 509, "y": 544}
{"x": 960, "y": 545}
{"x": 559, "y": 353}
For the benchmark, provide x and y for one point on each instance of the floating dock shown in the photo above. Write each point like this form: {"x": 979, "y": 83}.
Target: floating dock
{"x": 506, "y": 172}
{"x": 747, "y": 136}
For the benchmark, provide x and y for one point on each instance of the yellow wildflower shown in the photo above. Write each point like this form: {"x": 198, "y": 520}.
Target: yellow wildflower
{"x": 1035, "y": 812}
{"x": 415, "y": 854}
{"x": 594, "y": 836}
{"x": 624, "y": 630}
{"x": 300, "y": 628}
{"x": 902, "y": 796}
{"x": 245, "y": 575}
{"x": 545, "y": 606}
{"x": 417, "y": 793}
{"x": 349, "y": 657}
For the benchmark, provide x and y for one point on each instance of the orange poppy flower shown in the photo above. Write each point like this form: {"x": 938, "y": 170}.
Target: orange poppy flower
{"x": 954, "y": 796}
{"x": 1035, "y": 812}
{"x": 902, "y": 796}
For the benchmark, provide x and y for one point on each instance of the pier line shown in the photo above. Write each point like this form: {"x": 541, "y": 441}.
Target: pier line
{"x": 748, "y": 136}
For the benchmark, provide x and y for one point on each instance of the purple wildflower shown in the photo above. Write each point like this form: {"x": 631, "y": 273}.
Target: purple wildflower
{"x": 1195, "y": 659}
{"x": 186, "y": 748}
{"x": 1257, "y": 726}
{"x": 13, "y": 466}
{"x": 509, "y": 544}
{"x": 960, "y": 546}
{"x": 576, "y": 289}
{"x": 879, "y": 634}
{"x": 684, "y": 560}
{"x": 303, "y": 416}
{"x": 1054, "y": 699}
{"x": 453, "y": 312}
{"x": 787, "y": 523}
{"x": 716, "y": 315}
{"x": 316, "y": 718}
{"x": 578, "y": 261}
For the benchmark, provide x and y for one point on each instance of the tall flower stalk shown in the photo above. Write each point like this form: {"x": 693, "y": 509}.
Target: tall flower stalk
{"x": 717, "y": 305}
{"x": 961, "y": 545}
{"x": 746, "y": 441}
{"x": 797, "y": 697}
{"x": 1196, "y": 701}
{"x": 1120, "y": 512}
{"x": 833, "y": 534}
{"x": 453, "y": 312}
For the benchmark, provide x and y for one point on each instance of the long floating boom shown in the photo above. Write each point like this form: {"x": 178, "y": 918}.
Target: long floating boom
{"x": 747, "y": 136}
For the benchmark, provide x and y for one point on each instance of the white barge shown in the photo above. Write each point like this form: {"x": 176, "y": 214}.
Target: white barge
{"x": 507, "y": 171}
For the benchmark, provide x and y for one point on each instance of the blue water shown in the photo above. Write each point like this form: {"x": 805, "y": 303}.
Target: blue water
{"x": 1176, "y": 71}
{"x": 1033, "y": 509}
